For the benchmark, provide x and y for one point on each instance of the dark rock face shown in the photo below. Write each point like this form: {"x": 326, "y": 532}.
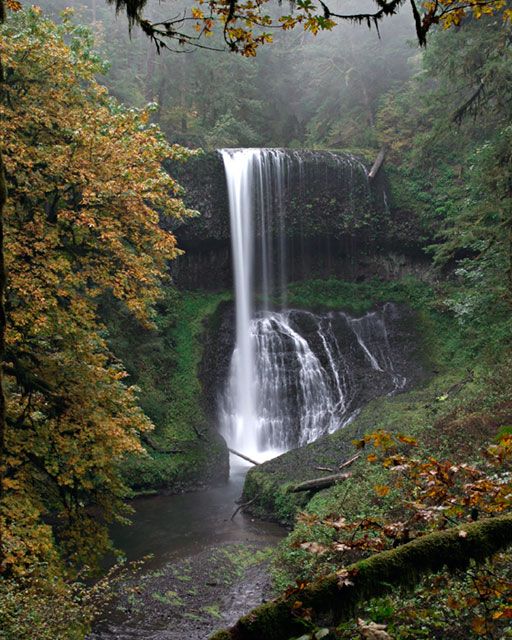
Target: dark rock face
{"x": 335, "y": 221}
{"x": 219, "y": 342}
{"x": 359, "y": 359}
{"x": 322, "y": 194}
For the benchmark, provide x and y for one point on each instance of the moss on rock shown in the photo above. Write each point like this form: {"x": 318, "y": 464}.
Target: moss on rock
{"x": 184, "y": 451}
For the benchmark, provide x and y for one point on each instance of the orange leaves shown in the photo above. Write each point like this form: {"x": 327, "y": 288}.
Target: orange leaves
{"x": 450, "y": 13}
{"x": 479, "y": 625}
{"x": 13, "y": 5}
{"x": 87, "y": 191}
{"x": 381, "y": 490}
{"x": 385, "y": 441}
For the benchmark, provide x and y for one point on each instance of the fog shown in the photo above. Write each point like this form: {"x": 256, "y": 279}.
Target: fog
{"x": 301, "y": 90}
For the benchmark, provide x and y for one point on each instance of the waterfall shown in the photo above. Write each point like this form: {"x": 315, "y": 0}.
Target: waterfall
{"x": 294, "y": 375}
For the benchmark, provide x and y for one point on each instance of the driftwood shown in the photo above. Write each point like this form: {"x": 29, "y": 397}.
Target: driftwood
{"x": 242, "y": 506}
{"x": 241, "y": 455}
{"x": 335, "y": 597}
{"x": 348, "y": 462}
{"x": 317, "y": 484}
{"x": 379, "y": 161}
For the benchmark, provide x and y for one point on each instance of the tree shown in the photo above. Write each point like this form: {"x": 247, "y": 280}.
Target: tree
{"x": 453, "y": 169}
{"x": 87, "y": 192}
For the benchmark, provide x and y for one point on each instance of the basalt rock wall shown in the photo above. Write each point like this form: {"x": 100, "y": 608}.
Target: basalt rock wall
{"x": 335, "y": 221}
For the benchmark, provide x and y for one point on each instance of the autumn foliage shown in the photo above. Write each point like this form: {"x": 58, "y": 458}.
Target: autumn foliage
{"x": 86, "y": 194}
{"x": 426, "y": 494}
{"x": 249, "y": 24}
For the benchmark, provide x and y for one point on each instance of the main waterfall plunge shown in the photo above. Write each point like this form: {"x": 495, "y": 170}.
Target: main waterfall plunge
{"x": 293, "y": 373}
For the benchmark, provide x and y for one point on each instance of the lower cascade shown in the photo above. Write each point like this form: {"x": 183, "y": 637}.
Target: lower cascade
{"x": 294, "y": 375}
{"x": 312, "y": 373}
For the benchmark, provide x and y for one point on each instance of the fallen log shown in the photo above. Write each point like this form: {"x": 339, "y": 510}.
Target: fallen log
{"x": 241, "y": 455}
{"x": 317, "y": 484}
{"x": 348, "y": 462}
{"x": 334, "y": 598}
{"x": 379, "y": 161}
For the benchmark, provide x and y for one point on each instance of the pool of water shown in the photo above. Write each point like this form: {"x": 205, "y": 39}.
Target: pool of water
{"x": 180, "y": 529}
{"x": 170, "y": 527}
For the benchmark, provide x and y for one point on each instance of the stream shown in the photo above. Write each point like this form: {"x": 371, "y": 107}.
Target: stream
{"x": 192, "y": 584}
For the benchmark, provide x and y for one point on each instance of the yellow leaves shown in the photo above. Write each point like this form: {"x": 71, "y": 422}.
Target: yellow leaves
{"x": 9, "y": 483}
{"x": 453, "y": 19}
{"x": 381, "y": 490}
{"x": 82, "y": 222}
{"x": 451, "y": 13}
{"x": 13, "y": 5}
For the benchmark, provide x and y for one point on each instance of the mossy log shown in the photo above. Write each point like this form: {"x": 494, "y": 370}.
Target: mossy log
{"x": 317, "y": 484}
{"x": 331, "y": 600}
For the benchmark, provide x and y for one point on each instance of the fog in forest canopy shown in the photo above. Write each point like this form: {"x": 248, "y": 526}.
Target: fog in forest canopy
{"x": 302, "y": 91}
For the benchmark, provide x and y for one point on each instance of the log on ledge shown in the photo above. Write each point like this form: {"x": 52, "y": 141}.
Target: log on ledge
{"x": 379, "y": 161}
{"x": 243, "y": 456}
{"x": 317, "y": 484}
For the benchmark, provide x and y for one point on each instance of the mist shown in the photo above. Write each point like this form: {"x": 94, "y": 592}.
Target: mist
{"x": 300, "y": 91}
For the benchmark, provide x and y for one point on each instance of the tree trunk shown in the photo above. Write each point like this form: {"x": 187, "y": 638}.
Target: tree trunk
{"x": 334, "y": 598}
{"x": 379, "y": 161}
{"x": 317, "y": 484}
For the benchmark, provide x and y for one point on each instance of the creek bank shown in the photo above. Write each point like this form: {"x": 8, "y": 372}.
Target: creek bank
{"x": 190, "y": 598}
{"x": 205, "y": 570}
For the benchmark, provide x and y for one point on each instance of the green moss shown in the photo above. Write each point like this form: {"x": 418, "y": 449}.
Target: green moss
{"x": 163, "y": 362}
{"x": 185, "y": 415}
{"x": 445, "y": 342}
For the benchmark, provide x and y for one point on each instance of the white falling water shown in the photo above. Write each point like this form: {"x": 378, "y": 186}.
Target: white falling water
{"x": 240, "y": 177}
{"x": 288, "y": 384}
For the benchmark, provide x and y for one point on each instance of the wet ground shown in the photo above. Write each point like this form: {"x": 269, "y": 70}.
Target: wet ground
{"x": 206, "y": 569}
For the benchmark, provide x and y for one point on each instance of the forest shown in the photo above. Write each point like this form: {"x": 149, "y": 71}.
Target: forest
{"x": 255, "y": 320}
